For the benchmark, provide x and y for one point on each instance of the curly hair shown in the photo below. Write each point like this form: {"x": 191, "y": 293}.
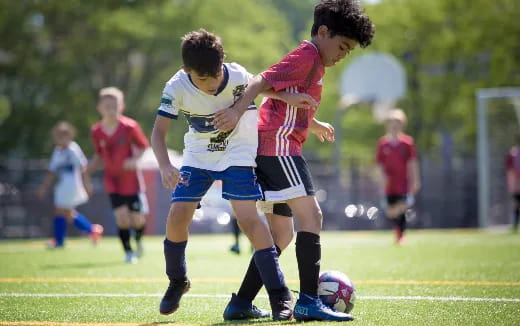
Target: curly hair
{"x": 202, "y": 52}
{"x": 345, "y": 18}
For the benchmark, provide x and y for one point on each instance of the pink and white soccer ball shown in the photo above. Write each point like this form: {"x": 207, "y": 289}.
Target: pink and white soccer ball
{"x": 336, "y": 290}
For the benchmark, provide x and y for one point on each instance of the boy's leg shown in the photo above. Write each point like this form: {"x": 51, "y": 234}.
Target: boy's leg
{"x": 192, "y": 187}
{"x": 240, "y": 306}
{"x": 235, "y": 228}
{"x": 308, "y": 256}
{"x": 137, "y": 220}
{"x": 123, "y": 223}
{"x": 177, "y": 225}
{"x": 265, "y": 257}
{"x": 59, "y": 228}
{"x": 81, "y": 222}
{"x": 516, "y": 216}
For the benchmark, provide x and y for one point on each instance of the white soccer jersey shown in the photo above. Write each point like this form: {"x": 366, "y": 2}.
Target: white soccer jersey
{"x": 67, "y": 163}
{"x": 204, "y": 146}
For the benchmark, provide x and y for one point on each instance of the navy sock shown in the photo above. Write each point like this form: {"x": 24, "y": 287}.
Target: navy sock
{"x": 139, "y": 233}
{"x": 124, "y": 235}
{"x": 308, "y": 255}
{"x": 174, "y": 254}
{"x": 82, "y": 223}
{"x": 60, "y": 229}
{"x": 266, "y": 261}
{"x": 252, "y": 282}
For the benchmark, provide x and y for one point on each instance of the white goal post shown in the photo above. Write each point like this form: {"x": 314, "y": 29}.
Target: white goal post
{"x": 482, "y": 97}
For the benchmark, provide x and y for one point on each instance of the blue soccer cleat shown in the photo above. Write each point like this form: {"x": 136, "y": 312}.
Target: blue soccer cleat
{"x": 240, "y": 309}
{"x": 310, "y": 307}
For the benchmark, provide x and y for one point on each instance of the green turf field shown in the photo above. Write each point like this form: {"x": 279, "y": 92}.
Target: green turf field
{"x": 437, "y": 278}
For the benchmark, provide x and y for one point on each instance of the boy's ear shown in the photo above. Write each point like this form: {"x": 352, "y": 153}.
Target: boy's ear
{"x": 323, "y": 31}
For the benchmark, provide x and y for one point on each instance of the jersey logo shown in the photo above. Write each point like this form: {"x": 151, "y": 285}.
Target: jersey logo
{"x": 219, "y": 143}
{"x": 320, "y": 82}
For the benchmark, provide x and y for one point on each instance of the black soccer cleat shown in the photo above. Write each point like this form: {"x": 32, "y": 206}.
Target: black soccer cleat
{"x": 281, "y": 304}
{"x": 172, "y": 296}
{"x": 240, "y": 309}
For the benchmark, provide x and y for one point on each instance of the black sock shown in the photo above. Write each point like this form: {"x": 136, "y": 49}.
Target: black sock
{"x": 401, "y": 222}
{"x": 124, "y": 235}
{"x": 516, "y": 217}
{"x": 308, "y": 255}
{"x": 139, "y": 233}
{"x": 252, "y": 283}
{"x": 175, "y": 257}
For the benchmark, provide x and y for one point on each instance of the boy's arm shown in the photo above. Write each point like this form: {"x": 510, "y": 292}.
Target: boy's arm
{"x": 299, "y": 100}
{"x": 48, "y": 180}
{"x": 85, "y": 177}
{"x": 93, "y": 164}
{"x": 227, "y": 119}
{"x": 169, "y": 174}
{"x": 413, "y": 176}
{"x": 511, "y": 181}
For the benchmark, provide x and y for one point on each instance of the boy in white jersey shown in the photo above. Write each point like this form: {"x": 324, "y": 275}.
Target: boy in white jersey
{"x": 204, "y": 86}
{"x": 67, "y": 165}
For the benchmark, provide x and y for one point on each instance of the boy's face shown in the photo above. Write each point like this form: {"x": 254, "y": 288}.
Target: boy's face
{"x": 333, "y": 49}
{"x": 62, "y": 137}
{"x": 207, "y": 84}
{"x": 108, "y": 107}
{"x": 394, "y": 125}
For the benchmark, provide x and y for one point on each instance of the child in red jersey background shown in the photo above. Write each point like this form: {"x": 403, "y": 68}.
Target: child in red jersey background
{"x": 119, "y": 142}
{"x": 396, "y": 159}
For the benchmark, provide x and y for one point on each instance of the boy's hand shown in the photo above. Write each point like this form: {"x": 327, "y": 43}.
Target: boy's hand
{"x": 322, "y": 130}
{"x": 299, "y": 100}
{"x": 169, "y": 176}
{"x": 227, "y": 119}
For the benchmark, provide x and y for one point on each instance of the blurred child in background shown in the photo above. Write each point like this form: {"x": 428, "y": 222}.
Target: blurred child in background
{"x": 396, "y": 159}
{"x": 119, "y": 143}
{"x": 67, "y": 172}
{"x": 513, "y": 176}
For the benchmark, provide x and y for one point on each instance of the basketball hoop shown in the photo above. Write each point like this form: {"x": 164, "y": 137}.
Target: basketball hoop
{"x": 376, "y": 78}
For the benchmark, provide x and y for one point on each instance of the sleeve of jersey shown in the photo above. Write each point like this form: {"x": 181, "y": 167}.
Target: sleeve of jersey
{"x": 139, "y": 138}
{"x": 79, "y": 156}
{"x": 52, "y": 164}
{"x": 169, "y": 106}
{"x": 290, "y": 71}
{"x": 413, "y": 151}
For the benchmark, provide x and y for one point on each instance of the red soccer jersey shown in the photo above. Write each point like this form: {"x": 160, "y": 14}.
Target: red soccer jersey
{"x": 282, "y": 129}
{"x": 513, "y": 161}
{"x": 393, "y": 156}
{"x": 114, "y": 150}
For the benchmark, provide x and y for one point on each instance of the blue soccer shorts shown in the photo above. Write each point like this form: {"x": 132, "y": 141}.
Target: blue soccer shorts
{"x": 238, "y": 183}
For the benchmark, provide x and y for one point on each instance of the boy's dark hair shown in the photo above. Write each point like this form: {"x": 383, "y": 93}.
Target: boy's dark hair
{"x": 202, "y": 52}
{"x": 344, "y": 18}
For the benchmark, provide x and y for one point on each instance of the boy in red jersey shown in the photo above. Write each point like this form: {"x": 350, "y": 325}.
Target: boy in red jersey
{"x": 397, "y": 162}
{"x": 513, "y": 179}
{"x": 119, "y": 142}
{"x": 339, "y": 26}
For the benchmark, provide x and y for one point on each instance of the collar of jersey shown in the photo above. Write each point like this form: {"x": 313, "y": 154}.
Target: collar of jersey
{"x": 222, "y": 86}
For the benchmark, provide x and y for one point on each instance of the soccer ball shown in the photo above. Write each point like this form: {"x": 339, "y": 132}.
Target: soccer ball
{"x": 337, "y": 291}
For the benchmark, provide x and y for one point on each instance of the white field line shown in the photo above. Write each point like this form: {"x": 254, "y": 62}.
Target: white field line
{"x": 226, "y": 296}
